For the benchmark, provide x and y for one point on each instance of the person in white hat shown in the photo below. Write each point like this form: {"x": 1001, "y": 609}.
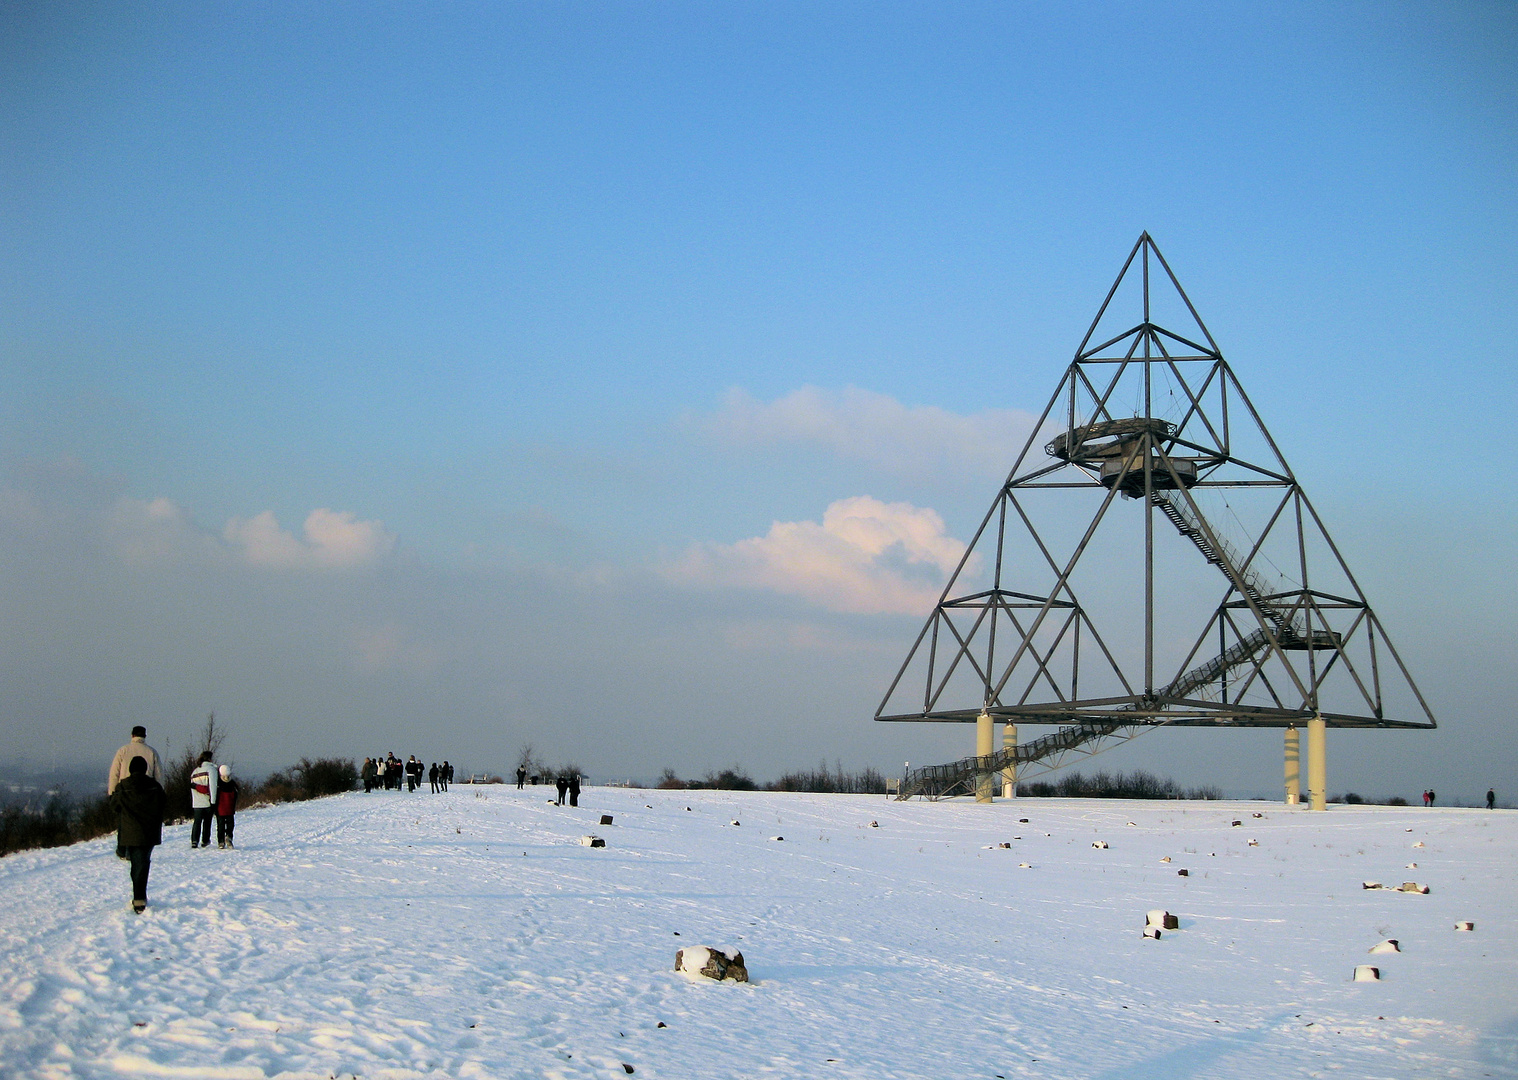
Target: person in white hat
{"x": 226, "y": 806}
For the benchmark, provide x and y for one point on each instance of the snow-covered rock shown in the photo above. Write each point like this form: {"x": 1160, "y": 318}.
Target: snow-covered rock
{"x": 1367, "y": 973}
{"x": 1163, "y": 919}
{"x": 704, "y": 962}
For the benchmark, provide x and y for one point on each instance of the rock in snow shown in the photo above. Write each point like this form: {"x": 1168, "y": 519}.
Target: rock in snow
{"x": 1367, "y": 973}
{"x": 704, "y": 962}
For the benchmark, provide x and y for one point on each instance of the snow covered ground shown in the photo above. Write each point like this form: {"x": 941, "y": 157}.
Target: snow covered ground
{"x": 469, "y": 934}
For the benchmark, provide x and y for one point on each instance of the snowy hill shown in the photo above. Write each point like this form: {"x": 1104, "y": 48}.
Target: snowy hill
{"x": 470, "y": 935}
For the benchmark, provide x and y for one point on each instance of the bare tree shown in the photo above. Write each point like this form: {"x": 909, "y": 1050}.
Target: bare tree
{"x": 211, "y": 737}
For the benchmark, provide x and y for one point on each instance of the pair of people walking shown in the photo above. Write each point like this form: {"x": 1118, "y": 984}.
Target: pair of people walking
{"x": 213, "y": 794}
{"x": 569, "y": 785}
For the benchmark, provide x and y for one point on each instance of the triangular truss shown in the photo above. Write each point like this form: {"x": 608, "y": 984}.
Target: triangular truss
{"x": 1153, "y": 562}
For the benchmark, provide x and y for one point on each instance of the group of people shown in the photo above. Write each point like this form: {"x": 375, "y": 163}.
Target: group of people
{"x": 134, "y": 785}
{"x": 1491, "y": 798}
{"x": 566, "y": 783}
{"x": 390, "y": 772}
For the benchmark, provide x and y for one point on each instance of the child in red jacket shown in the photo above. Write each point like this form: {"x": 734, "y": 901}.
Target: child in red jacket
{"x": 226, "y": 806}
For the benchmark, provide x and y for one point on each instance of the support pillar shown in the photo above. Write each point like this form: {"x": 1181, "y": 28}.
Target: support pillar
{"x": 1317, "y": 763}
{"x": 1009, "y": 774}
{"x": 984, "y": 736}
{"x": 1293, "y": 766}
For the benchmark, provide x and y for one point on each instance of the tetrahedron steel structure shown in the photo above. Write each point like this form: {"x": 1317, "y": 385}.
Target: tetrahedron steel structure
{"x": 1150, "y": 560}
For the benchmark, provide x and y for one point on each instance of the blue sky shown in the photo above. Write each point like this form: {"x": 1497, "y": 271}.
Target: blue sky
{"x": 532, "y": 302}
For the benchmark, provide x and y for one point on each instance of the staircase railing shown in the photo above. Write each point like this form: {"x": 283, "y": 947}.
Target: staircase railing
{"x": 1216, "y": 551}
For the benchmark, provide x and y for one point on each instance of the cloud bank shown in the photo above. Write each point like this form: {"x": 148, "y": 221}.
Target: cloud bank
{"x": 862, "y": 425}
{"x": 158, "y": 530}
{"x": 331, "y": 539}
{"x": 865, "y": 557}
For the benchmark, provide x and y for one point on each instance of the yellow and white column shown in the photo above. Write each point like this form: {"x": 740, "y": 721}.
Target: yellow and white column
{"x": 984, "y": 737}
{"x": 1317, "y": 763}
{"x": 1009, "y": 774}
{"x": 1293, "y": 766}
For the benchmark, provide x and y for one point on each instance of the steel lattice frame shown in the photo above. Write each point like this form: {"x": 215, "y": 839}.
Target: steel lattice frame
{"x": 1284, "y": 655}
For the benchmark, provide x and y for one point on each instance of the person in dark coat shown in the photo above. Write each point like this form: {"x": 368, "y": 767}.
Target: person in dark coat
{"x": 432, "y": 778}
{"x": 574, "y": 790}
{"x": 521, "y": 777}
{"x": 562, "y": 783}
{"x": 139, "y": 801}
{"x": 445, "y": 774}
{"x": 367, "y": 772}
{"x": 226, "y": 807}
{"x": 1491, "y": 799}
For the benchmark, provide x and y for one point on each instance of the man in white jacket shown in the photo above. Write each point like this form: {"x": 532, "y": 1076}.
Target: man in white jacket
{"x": 202, "y": 800}
{"x": 121, "y": 763}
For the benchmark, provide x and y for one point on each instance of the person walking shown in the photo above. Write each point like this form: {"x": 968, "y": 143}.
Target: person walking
{"x": 574, "y": 789}
{"x": 521, "y": 776}
{"x": 367, "y": 772}
{"x": 137, "y": 748}
{"x": 1491, "y": 799}
{"x": 202, "y": 801}
{"x": 445, "y": 774}
{"x": 1431, "y": 796}
{"x": 432, "y": 778}
{"x": 227, "y": 791}
{"x": 139, "y": 801}
{"x": 562, "y": 783}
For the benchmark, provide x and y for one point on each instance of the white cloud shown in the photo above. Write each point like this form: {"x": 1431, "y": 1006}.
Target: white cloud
{"x": 915, "y": 440}
{"x": 144, "y": 531}
{"x": 865, "y": 557}
{"x": 331, "y": 539}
